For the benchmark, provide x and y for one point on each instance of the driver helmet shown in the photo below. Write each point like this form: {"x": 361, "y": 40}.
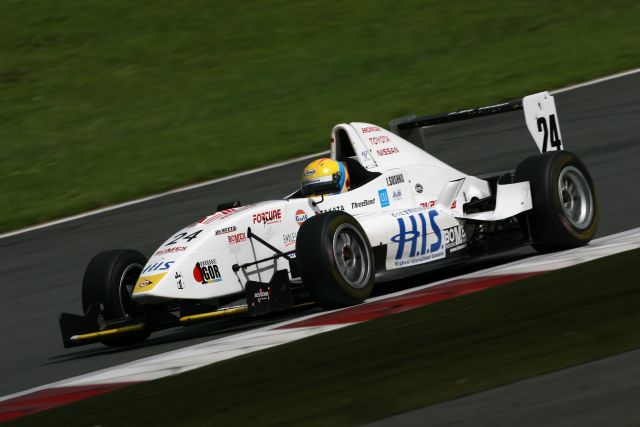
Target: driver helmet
{"x": 325, "y": 170}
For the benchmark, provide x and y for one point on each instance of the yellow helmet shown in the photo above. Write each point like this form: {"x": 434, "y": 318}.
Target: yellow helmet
{"x": 324, "y": 171}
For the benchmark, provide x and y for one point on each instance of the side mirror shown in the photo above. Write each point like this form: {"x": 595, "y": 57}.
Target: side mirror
{"x": 322, "y": 186}
{"x": 228, "y": 205}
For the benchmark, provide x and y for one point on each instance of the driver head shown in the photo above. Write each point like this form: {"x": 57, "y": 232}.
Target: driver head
{"x": 325, "y": 169}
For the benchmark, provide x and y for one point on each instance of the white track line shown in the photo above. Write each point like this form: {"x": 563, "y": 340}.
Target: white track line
{"x": 596, "y": 81}
{"x": 251, "y": 171}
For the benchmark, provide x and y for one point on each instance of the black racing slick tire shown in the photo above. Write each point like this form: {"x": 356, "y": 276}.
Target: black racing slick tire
{"x": 108, "y": 283}
{"x": 335, "y": 260}
{"x": 565, "y": 210}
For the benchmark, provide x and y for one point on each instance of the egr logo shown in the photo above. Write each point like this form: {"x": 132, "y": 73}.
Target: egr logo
{"x": 207, "y": 272}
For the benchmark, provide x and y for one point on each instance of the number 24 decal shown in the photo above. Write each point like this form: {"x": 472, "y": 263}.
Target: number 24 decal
{"x": 552, "y": 129}
{"x": 186, "y": 236}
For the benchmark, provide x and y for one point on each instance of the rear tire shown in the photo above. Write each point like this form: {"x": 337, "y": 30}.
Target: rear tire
{"x": 108, "y": 283}
{"x": 565, "y": 210}
{"x": 335, "y": 259}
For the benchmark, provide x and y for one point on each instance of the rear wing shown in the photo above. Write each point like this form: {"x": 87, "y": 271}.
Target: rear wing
{"x": 539, "y": 112}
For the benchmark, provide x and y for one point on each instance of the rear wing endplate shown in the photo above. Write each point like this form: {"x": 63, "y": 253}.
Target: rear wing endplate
{"x": 539, "y": 112}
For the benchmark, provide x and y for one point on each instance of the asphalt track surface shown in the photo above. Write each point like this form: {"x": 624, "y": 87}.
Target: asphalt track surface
{"x": 41, "y": 271}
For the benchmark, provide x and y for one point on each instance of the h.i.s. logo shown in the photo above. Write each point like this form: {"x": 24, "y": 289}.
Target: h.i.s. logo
{"x": 418, "y": 240}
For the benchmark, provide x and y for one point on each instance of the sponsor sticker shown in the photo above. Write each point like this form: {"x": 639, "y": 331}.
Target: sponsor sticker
{"x": 419, "y": 188}
{"x": 146, "y": 283}
{"x": 301, "y": 216}
{"x": 454, "y": 238}
{"x": 226, "y": 230}
{"x": 384, "y": 197}
{"x": 289, "y": 239}
{"x": 395, "y": 179}
{"x": 382, "y": 139}
{"x": 368, "y": 202}
{"x": 207, "y": 272}
{"x": 262, "y": 295}
{"x": 179, "y": 282}
{"x": 234, "y": 239}
{"x": 429, "y": 204}
{"x": 170, "y": 250}
{"x": 387, "y": 151}
{"x": 269, "y": 217}
{"x": 396, "y": 195}
{"x": 334, "y": 208}
{"x": 405, "y": 212}
{"x": 370, "y": 129}
{"x": 412, "y": 243}
{"x": 157, "y": 266}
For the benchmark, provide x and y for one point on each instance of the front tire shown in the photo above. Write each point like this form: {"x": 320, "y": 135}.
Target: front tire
{"x": 335, "y": 259}
{"x": 565, "y": 210}
{"x": 108, "y": 283}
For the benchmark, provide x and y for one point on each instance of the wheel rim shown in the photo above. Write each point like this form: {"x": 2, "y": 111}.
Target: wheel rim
{"x": 351, "y": 256}
{"x": 127, "y": 283}
{"x": 576, "y": 197}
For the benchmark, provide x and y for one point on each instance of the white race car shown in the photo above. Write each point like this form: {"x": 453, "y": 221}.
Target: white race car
{"x": 406, "y": 212}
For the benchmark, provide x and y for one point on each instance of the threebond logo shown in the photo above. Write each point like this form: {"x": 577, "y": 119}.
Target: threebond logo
{"x": 384, "y": 197}
{"x": 416, "y": 238}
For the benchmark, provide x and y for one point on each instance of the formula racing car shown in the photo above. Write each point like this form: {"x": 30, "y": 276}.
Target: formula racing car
{"x": 406, "y": 212}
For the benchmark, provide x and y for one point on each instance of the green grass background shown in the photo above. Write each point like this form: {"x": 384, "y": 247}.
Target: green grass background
{"x": 102, "y": 102}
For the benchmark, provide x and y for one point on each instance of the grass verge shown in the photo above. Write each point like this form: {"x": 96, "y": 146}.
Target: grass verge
{"x": 106, "y": 101}
{"x": 397, "y": 363}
